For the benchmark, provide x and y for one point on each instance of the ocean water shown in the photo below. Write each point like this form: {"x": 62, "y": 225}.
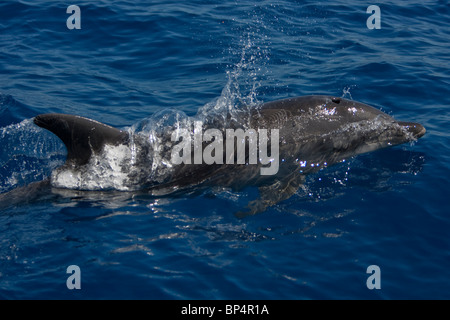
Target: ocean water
{"x": 134, "y": 60}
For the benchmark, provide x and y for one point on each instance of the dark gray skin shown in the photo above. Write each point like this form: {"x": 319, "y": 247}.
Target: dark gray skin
{"x": 314, "y": 132}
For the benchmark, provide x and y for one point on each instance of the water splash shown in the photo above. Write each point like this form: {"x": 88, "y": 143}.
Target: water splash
{"x": 27, "y": 154}
{"x": 244, "y": 78}
{"x": 346, "y": 92}
{"x": 115, "y": 168}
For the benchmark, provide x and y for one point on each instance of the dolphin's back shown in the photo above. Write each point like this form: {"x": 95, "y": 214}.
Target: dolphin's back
{"x": 314, "y": 114}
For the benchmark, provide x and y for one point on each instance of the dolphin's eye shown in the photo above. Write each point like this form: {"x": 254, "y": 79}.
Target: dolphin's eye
{"x": 336, "y": 100}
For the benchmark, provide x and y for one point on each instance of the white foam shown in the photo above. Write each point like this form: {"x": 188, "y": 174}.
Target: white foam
{"x": 108, "y": 170}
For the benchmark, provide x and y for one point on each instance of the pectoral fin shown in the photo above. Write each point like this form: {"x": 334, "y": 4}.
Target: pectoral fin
{"x": 273, "y": 194}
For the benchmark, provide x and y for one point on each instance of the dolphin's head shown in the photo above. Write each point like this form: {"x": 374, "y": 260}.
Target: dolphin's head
{"x": 342, "y": 126}
{"x": 365, "y": 128}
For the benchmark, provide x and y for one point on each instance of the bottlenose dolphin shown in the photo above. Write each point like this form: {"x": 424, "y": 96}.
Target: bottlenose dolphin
{"x": 313, "y": 131}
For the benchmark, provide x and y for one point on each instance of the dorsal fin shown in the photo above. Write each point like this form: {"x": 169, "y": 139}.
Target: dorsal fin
{"x": 81, "y": 136}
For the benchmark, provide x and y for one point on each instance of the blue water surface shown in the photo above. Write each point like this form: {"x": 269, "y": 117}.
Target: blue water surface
{"x": 133, "y": 59}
